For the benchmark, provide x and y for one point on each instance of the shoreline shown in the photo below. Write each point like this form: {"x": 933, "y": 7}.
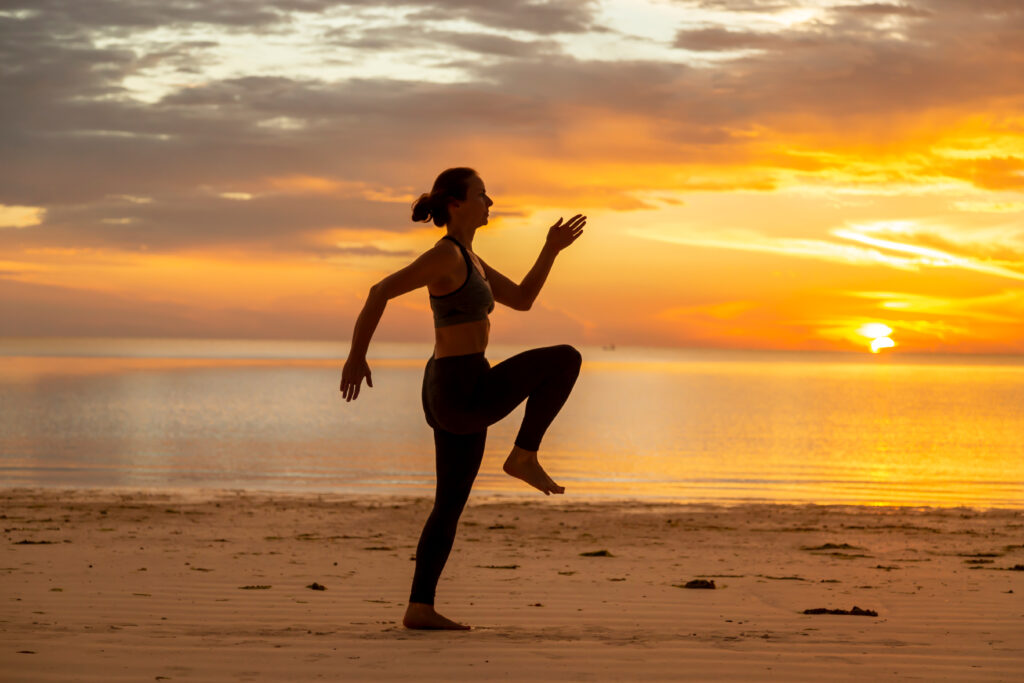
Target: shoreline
{"x": 133, "y": 585}
{"x": 207, "y": 494}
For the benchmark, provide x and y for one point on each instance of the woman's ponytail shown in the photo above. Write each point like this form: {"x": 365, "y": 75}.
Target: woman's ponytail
{"x": 421, "y": 209}
{"x": 450, "y": 185}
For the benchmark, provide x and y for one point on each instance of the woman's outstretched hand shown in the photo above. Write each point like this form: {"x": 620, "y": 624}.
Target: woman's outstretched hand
{"x": 562, "y": 235}
{"x": 352, "y": 377}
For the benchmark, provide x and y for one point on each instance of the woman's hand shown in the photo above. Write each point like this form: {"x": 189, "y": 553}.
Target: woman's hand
{"x": 352, "y": 377}
{"x": 562, "y": 235}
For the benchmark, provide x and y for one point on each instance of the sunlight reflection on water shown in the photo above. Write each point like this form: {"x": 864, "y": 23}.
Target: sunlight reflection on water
{"x": 691, "y": 426}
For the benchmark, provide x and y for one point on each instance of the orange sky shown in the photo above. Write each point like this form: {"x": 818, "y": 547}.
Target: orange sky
{"x": 756, "y": 175}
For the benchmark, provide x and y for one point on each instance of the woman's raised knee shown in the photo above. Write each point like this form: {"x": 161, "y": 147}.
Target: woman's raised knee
{"x": 569, "y": 357}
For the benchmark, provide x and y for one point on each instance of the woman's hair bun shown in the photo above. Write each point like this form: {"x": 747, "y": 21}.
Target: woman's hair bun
{"x": 421, "y": 209}
{"x": 450, "y": 185}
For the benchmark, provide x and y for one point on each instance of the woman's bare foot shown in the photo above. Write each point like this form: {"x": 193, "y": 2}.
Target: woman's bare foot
{"x": 420, "y": 615}
{"x": 522, "y": 464}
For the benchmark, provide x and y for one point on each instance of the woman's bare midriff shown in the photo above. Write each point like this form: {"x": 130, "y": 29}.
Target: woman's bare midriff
{"x": 461, "y": 339}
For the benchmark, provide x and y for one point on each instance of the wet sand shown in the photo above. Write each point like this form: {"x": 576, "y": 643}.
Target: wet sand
{"x": 111, "y": 586}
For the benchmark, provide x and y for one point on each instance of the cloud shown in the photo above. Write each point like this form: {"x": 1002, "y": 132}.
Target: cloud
{"x": 20, "y": 216}
{"x": 1006, "y": 250}
{"x": 140, "y": 14}
{"x": 401, "y": 38}
{"x": 876, "y": 9}
{"x": 752, "y": 241}
{"x": 904, "y": 250}
{"x": 975, "y": 206}
{"x": 284, "y": 222}
{"x": 928, "y": 256}
{"x": 36, "y": 310}
{"x": 759, "y": 6}
{"x": 536, "y": 16}
{"x": 717, "y": 39}
{"x": 866, "y": 92}
{"x": 992, "y": 173}
{"x": 361, "y": 250}
{"x": 1003, "y": 307}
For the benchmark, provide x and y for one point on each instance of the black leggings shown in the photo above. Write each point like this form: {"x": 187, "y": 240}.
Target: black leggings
{"x": 462, "y": 396}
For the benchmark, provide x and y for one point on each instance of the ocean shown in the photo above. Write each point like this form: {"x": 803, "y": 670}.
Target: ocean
{"x": 642, "y": 424}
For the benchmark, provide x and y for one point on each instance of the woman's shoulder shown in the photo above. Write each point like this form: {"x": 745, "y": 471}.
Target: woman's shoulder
{"x": 446, "y": 249}
{"x": 443, "y": 254}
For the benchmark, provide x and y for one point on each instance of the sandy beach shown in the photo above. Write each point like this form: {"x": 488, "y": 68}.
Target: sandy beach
{"x": 132, "y": 586}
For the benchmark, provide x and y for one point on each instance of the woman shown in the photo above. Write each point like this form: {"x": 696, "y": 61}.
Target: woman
{"x": 462, "y": 394}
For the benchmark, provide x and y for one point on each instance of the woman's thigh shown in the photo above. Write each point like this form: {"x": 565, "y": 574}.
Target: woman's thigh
{"x": 464, "y": 407}
{"x": 513, "y": 380}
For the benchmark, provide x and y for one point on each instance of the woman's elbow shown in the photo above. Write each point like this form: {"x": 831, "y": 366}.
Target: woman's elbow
{"x": 378, "y": 294}
{"x": 516, "y": 304}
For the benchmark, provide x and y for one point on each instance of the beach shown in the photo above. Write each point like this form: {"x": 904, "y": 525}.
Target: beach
{"x": 181, "y": 585}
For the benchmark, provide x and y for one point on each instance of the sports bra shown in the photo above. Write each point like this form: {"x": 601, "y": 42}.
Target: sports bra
{"x": 470, "y": 302}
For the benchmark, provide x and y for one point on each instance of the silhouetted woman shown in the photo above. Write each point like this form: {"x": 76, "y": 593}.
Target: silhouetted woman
{"x": 462, "y": 393}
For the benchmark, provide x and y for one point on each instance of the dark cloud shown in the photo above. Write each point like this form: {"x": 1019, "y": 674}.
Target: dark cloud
{"x": 357, "y": 102}
{"x": 944, "y": 60}
{"x": 145, "y": 14}
{"x": 535, "y": 16}
{"x": 493, "y": 45}
{"x": 984, "y": 7}
{"x": 768, "y": 6}
{"x": 717, "y": 39}
{"x": 284, "y": 222}
{"x": 401, "y": 37}
{"x": 876, "y": 9}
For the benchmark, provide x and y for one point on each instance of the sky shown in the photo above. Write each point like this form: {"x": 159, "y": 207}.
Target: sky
{"x": 758, "y": 174}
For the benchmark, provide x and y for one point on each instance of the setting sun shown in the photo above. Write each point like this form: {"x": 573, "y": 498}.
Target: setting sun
{"x": 875, "y": 330}
{"x": 881, "y": 343}
{"x": 878, "y": 333}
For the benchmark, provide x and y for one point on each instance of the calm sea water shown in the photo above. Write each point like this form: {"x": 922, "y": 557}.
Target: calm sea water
{"x": 641, "y": 423}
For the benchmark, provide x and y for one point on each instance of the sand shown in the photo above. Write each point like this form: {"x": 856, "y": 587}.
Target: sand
{"x": 137, "y": 586}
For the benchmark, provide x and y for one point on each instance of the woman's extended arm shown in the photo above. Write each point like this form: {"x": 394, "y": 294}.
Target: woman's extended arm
{"x": 433, "y": 266}
{"x": 522, "y": 296}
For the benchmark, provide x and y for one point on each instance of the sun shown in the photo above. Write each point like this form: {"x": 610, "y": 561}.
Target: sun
{"x": 875, "y": 330}
{"x": 881, "y": 343}
{"x": 878, "y": 333}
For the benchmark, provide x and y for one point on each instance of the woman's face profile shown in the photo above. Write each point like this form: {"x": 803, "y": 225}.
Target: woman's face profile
{"x": 473, "y": 209}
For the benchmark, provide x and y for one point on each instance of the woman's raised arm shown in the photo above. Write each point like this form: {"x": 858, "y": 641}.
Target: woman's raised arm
{"x": 434, "y": 265}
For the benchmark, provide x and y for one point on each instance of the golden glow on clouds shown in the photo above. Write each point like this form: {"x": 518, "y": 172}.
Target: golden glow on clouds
{"x": 990, "y": 207}
{"x": 930, "y": 257}
{"x": 214, "y": 280}
{"x": 20, "y": 216}
{"x": 743, "y": 240}
{"x": 305, "y": 184}
{"x": 131, "y": 199}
